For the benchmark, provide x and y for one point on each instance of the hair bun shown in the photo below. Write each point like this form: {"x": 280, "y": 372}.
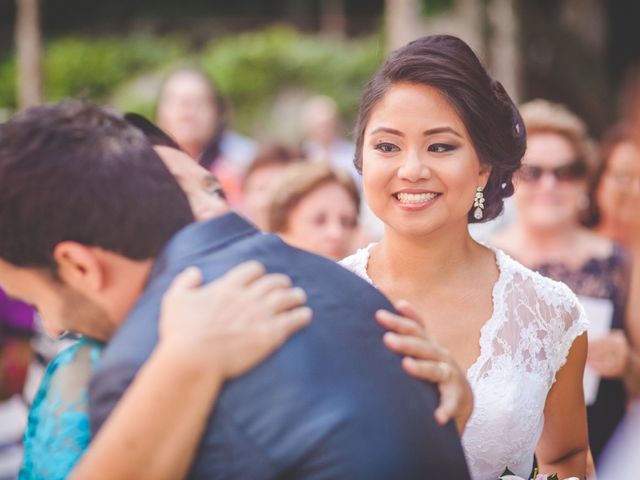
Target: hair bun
{"x": 519, "y": 130}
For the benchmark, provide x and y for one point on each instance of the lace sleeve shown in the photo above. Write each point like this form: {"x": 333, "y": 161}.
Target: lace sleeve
{"x": 58, "y": 431}
{"x": 571, "y": 322}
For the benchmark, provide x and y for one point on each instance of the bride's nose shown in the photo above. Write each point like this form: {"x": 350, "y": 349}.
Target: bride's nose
{"x": 414, "y": 167}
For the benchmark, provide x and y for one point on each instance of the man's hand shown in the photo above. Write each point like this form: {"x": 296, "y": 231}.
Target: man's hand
{"x": 427, "y": 360}
{"x": 233, "y": 323}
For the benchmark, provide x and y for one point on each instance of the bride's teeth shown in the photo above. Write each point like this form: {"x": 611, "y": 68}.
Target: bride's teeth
{"x": 415, "y": 197}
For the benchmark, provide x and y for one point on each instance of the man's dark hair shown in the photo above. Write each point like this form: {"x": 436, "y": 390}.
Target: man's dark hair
{"x": 492, "y": 120}
{"x": 79, "y": 172}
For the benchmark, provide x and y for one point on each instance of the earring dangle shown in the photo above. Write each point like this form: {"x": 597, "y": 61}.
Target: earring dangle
{"x": 478, "y": 203}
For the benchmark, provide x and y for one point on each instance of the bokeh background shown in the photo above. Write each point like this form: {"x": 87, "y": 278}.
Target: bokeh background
{"x": 267, "y": 56}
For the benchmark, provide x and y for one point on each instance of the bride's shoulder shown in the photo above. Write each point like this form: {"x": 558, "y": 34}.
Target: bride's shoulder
{"x": 535, "y": 288}
{"x": 546, "y": 309}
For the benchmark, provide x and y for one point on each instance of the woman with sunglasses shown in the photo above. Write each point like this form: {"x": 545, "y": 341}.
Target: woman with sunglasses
{"x": 548, "y": 236}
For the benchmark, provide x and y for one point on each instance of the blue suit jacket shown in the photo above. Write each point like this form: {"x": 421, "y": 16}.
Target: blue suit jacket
{"x": 332, "y": 403}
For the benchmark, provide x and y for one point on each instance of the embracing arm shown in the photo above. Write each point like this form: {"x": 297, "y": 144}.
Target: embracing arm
{"x": 207, "y": 335}
{"x": 145, "y": 433}
{"x": 564, "y": 444}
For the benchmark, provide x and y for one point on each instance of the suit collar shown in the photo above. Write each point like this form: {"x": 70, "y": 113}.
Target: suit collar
{"x": 203, "y": 237}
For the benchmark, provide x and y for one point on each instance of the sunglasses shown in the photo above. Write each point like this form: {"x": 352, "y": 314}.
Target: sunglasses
{"x": 563, "y": 173}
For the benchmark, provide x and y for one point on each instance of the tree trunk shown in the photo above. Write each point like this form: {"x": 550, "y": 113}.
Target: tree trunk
{"x": 402, "y": 22}
{"x": 333, "y": 19}
{"x": 29, "y": 53}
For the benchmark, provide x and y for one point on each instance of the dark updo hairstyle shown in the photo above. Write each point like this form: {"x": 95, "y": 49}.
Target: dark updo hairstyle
{"x": 494, "y": 124}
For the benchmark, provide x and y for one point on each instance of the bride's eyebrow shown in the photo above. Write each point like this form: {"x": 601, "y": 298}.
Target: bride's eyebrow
{"x": 431, "y": 131}
{"x": 434, "y": 131}
{"x": 392, "y": 131}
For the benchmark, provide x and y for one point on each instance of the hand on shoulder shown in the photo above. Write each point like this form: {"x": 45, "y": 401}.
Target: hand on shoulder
{"x": 427, "y": 360}
{"x": 233, "y": 323}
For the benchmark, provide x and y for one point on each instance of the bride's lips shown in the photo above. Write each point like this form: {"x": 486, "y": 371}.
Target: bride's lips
{"x": 414, "y": 199}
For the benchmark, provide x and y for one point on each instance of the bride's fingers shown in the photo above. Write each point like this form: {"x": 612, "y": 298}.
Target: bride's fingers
{"x": 409, "y": 311}
{"x": 412, "y": 346}
{"x": 400, "y": 324}
{"x": 440, "y": 373}
{"x": 449, "y": 404}
{"x": 431, "y": 371}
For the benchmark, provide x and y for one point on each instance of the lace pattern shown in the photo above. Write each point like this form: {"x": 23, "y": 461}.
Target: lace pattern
{"x": 522, "y": 346}
{"x": 58, "y": 428}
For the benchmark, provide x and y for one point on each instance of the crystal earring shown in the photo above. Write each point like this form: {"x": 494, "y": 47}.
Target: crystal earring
{"x": 478, "y": 203}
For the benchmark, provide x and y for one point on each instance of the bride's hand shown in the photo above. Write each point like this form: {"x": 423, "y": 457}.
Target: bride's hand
{"x": 427, "y": 360}
{"x": 233, "y": 323}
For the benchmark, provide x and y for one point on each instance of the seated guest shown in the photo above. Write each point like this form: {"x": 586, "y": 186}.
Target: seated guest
{"x": 82, "y": 272}
{"x": 261, "y": 177}
{"x": 552, "y": 198}
{"x": 315, "y": 207}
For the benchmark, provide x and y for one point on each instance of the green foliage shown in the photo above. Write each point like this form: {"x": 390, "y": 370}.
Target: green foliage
{"x": 433, "y": 7}
{"x": 95, "y": 67}
{"x": 8, "y": 83}
{"x": 252, "y": 68}
{"x": 91, "y": 67}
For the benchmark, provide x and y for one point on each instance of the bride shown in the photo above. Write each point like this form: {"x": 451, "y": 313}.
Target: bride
{"x": 437, "y": 144}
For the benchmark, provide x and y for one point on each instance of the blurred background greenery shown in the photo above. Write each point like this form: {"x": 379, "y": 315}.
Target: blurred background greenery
{"x": 266, "y": 56}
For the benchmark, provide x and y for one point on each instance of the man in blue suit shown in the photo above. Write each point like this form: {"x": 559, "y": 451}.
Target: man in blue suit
{"x": 332, "y": 403}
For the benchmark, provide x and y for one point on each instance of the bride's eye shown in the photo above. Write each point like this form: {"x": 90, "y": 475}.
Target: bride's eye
{"x": 386, "y": 147}
{"x": 440, "y": 147}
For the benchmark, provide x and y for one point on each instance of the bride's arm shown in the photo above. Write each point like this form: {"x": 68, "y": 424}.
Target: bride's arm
{"x": 564, "y": 444}
{"x": 207, "y": 334}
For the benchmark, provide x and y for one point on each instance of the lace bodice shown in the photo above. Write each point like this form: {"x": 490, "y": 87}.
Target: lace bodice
{"x": 58, "y": 427}
{"x": 522, "y": 346}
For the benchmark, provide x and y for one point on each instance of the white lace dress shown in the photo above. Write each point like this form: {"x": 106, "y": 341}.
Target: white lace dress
{"x": 522, "y": 346}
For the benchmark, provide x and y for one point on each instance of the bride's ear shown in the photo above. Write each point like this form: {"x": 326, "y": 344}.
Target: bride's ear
{"x": 483, "y": 174}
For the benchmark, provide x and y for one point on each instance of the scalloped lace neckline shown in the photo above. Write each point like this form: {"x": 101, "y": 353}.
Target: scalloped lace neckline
{"x": 489, "y": 327}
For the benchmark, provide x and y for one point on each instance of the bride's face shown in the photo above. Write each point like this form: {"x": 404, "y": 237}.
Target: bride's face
{"x": 420, "y": 170}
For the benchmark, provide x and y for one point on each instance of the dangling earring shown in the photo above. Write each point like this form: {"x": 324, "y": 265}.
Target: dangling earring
{"x": 478, "y": 203}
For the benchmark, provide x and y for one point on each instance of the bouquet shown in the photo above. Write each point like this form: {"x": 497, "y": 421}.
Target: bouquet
{"x": 509, "y": 475}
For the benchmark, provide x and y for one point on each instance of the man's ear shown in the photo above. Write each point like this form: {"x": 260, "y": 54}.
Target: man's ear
{"x": 79, "y": 267}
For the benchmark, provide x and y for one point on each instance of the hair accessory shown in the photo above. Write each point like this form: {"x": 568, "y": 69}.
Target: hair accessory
{"x": 478, "y": 203}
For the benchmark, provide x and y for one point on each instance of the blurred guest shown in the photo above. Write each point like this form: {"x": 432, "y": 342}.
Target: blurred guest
{"x": 195, "y": 114}
{"x": 322, "y": 139}
{"x": 316, "y": 208}
{"x": 271, "y": 160}
{"x": 614, "y": 210}
{"x": 16, "y": 329}
{"x": 551, "y": 198}
{"x": 616, "y": 189}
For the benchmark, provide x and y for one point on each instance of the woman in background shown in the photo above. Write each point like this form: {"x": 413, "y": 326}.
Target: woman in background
{"x": 316, "y": 208}
{"x": 615, "y": 197}
{"x": 547, "y": 236}
{"x": 195, "y": 114}
{"x": 261, "y": 178}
